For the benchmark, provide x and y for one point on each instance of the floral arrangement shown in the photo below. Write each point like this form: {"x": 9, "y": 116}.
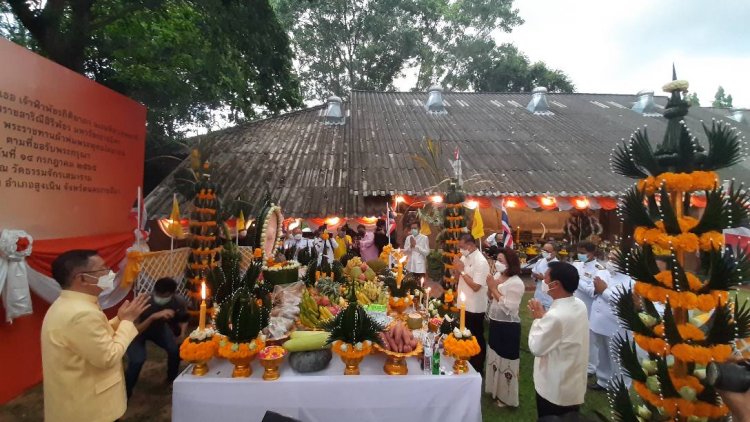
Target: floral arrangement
{"x": 353, "y": 330}
{"x": 199, "y": 346}
{"x": 454, "y": 224}
{"x": 204, "y": 228}
{"x": 670, "y": 382}
{"x": 272, "y": 352}
{"x": 461, "y": 344}
{"x": 231, "y": 350}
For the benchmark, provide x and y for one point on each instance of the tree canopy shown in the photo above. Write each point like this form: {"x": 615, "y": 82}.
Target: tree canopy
{"x": 342, "y": 45}
{"x": 721, "y": 99}
{"x": 693, "y": 100}
{"x": 183, "y": 59}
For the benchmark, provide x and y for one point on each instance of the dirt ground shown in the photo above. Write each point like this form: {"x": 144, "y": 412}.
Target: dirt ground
{"x": 151, "y": 401}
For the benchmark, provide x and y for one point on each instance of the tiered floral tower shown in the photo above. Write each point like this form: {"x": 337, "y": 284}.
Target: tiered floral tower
{"x": 699, "y": 323}
{"x": 454, "y": 224}
{"x": 204, "y": 230}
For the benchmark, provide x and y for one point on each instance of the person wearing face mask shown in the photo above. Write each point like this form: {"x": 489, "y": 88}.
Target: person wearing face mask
{"x": 549, "y": 254}
{"x": 505, "y": 289}
{"x": 164, "y": 324}
{"x": 81, "y": 350}
{"x": 416, "y": 248}
{"x": 367, "y": 248}
{"x": 325, "y": 246}
{"x": 558, "y": 339}
{"x": 471, "y": 271}
{"x": 588, "y": 267}
{"x": 609, "y": 284}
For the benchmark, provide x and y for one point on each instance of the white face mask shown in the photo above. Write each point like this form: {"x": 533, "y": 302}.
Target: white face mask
{"x": 107, "y": 281}
{"x": 297, "y": 237}
{"x": 500, "y": 267}
{"x": 161, "y": 301}
{"x": 464, "y": 252}
{"x": 546, "y": 255}
{"x": 545, "y": 287}
{"x": 414, "y": 232}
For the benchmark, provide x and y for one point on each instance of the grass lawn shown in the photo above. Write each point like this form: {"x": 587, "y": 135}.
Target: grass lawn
{"x": 152, "y": 399}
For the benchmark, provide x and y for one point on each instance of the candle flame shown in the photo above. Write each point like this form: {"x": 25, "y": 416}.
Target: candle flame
{"x": 462, "y": 297}
{"x": 203, "y": 290}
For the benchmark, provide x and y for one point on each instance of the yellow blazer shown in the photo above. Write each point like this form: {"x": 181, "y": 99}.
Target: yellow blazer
{"x": 82, "y": 360}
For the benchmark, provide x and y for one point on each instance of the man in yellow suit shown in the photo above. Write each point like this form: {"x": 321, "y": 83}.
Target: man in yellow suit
{"x": 82, "y": 351}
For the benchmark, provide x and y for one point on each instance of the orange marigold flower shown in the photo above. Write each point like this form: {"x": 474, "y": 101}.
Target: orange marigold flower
{"x": 711, "y": 240}
{"x": 706, "y": 303}
{"x": 690, "y": 332}
{"x": 704, "y": 180}
{"x": 665, "y": 278}
{"x": 640, "y": 235}
{"x": 694, "y": 282}
{"x": 687, "y": 223}
{"x": 687, "y": 242}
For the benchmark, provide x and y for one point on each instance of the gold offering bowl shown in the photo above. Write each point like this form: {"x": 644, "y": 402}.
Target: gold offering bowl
{"x": 352, "y": 364}
{"x": 242, "y": 367}
{"x": 271, "y": 366}
{"x": 460, "y": 366}
{"x": 395, "y": 363}
{"x": 398, "y": 307}
{"x": 200, "y": 367}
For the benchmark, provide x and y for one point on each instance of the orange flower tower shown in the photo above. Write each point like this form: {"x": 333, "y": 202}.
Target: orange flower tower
{"x": 204, "y": 230}
{"x": 454, "y": 224}
{"x": 670, "y": 384}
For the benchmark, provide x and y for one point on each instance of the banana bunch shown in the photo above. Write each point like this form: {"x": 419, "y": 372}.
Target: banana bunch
{"x": 309, "y": 311}
{"x": 362, "y": 298}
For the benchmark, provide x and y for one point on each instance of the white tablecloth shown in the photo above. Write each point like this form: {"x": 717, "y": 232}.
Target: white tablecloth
{"x": 328, "y": 396}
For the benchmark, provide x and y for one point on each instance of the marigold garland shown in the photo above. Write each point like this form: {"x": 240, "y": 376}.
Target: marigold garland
{"x": 197, "y": 352}
{"x": 351, "y": 352}
{"x": 685, "y": 300}
{"x": 672, "y": 405}
{"x": 665, "y": 278}
{"x": 652, "y": 345}
{"x": 687, "y": 332}
{"x": 680, "y": 182}
{"x": 461, "y": 348}
{"x": 686, "y": 242}
{"x": 701, "y": 354}
{"x": 243, "y": 349}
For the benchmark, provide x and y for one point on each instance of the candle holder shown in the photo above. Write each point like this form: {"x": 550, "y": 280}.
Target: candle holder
{"x": 461, "y": 349}
{"x": 351, "y": 356}
{"x": 198, "y": 349}
{"x": 398, "y": 305}
{"x": 271, "y": 358}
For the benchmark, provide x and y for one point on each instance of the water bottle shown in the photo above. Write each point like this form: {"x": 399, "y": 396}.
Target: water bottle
{"x": 436, "y": 358}
{"x": 427, "y": 358}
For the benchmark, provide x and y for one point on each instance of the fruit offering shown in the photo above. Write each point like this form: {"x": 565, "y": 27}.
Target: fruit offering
{"x": 305, "y": 341}
{"x": 315, "y": 310}
{"x": 398, "y": 339}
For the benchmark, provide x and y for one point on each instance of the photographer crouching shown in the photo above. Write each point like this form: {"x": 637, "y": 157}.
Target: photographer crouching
{"x": 732, "y": 381}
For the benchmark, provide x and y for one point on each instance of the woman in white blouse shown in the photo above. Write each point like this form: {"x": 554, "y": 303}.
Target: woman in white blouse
{"x": 505, "y": 289}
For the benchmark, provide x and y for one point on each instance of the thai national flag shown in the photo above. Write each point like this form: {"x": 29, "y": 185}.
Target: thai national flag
{"x": 507, "y": 231}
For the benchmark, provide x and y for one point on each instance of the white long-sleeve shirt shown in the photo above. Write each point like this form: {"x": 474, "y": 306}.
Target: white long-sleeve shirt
{"x": 506, "y": 309}
{"x": 541, "y": 268}
{"x": 560, "y": 343}
{"x": 417, "y": 256}
{"x": 603, "y": 319}
{"x": 476, "y": 267}
{"x": 329, "y": 245}
{"x": 586, "y": 273}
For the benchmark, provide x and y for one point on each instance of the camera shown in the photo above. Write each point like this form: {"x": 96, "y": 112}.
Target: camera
{"x": 734, "y": 377}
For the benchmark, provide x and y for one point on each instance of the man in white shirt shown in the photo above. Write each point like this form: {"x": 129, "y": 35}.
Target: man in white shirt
{"x": 558, "y": 339}
{"x": 416, "y": 248}
{"x": 494, "y": 239}
{"x": 472, "y": 271}
{"x": 325, "y": 245}
{"x": 549, "y": 254}
{"x": 608, "y": 286}
{"x": 298, "y": 241}
{"x": 588, "y": 267}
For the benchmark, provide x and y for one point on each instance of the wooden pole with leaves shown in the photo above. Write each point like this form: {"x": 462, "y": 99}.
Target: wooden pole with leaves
{"x": 699, "y": 324}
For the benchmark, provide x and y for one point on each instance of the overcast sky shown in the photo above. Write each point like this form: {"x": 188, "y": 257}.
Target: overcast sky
{"x": 623, "y": 46}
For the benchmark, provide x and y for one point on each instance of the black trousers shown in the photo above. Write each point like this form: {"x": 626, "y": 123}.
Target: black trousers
{"x": 546, "y": 408}
{"x": 475, "y": 324}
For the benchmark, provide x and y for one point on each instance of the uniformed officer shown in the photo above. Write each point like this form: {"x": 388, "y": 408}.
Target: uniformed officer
{"x": 588, "y": 267}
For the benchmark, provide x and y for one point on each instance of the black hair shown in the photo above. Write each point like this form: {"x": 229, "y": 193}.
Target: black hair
{"x": 555, "y": 245}
{"x": 413, "y": 223}
{"x": 492, "y": 251}
{"x": 513, "y": 266}
{"x": 587, "y": 246}
{"x": 361, "y": 226}
{"x": 467, "y": 238}
{"x": 165, "y": 285}
{"x": 565, "y": 273}
{"x": 69, "y": 262}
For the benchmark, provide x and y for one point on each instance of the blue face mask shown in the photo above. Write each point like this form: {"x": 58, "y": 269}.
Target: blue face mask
{"x": 583, "y": 257}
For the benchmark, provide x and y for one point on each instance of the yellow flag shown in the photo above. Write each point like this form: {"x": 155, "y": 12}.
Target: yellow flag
{"x": 241, "y": 221}
{"x": 175, "y": 228}
{"x": 424, "y": 228}
{"x": 477, "y": 225}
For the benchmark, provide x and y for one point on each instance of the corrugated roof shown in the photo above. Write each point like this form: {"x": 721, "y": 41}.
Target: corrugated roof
{"x": 505, "y": 149}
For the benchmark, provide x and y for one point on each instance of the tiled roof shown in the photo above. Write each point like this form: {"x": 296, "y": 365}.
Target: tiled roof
{"x": 505, "y": 150}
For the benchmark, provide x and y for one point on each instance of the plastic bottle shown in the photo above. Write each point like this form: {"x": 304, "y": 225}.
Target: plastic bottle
{"x": 436, "y": 359}
{"x": 427, "y": 358}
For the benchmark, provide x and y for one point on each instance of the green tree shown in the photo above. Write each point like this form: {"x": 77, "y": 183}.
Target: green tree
{"x": 358, "y": 44}
{"x": 721, "y": 99}
{"x": 184, "y": 59}
{"x": 480, "y": 65}
{"x": 693, "y": 100}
